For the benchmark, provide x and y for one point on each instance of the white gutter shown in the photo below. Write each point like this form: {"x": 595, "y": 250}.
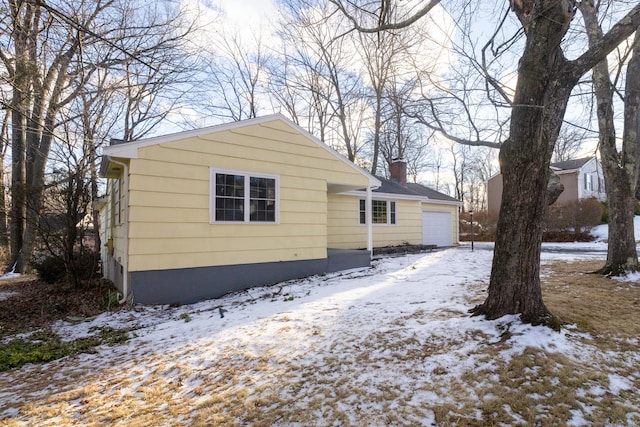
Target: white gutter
{"x": 125, "y": 260}
{"x": 369, "y": 220}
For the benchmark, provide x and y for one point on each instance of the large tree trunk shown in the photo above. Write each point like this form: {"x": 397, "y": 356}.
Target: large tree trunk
{"x": 18, "y": 200}
{"x": 626, "y": 256}
{"x": 621, "y": 253}
{"x": 540, "y": 101}
{"x": 545, "y": 81}
{"x": 620, "y": 168}
{"x": 24, "y": 16}
{"x": 4, "y": 230}
{"x": 37, "y": 101}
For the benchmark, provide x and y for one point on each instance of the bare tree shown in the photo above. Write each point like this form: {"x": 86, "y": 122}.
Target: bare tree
{"x": 568, "y": 144}
{"x": 326, "y": 70}
{"x": 49, "y": 52}
{"x": 400, "y": 136}
{"x": 237, "y": 70}
{"x": 621, "y": 168}
{"x": 40, "y": 81}
{"x": 545, "y": 81}
{"x": 483, "y": 166}
{"x": 287, "y": 93}
{"x": 298, "y": 86}
{"x": 417, "y": 153}
{"x": 66, "y": 220}
{"x": 460, "y": 169}
{"x": 4, "y": 146}
{"x": 378, "y": 74}
{"x": 380, "y": 52}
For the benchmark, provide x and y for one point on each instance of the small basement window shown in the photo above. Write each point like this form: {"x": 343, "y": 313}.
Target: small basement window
{"x": 243, "y": 197}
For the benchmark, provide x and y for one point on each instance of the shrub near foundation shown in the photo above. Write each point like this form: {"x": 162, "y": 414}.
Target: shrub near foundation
{"x": 53, "y": 269}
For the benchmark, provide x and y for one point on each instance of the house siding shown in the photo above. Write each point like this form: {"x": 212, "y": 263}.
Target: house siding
{"x": 408, "y": 227}
{"x": 571, "y": 185}
{"x": 345, "y": 232}
{"x": 572, "y": 180}
{"x": 494, "y": 195}
{"x": 593, "y": 169}
{"x": 112, "y": 223}
{"x": 170, "y": 202}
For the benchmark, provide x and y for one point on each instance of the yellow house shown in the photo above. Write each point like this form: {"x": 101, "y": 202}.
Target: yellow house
{"x": 201, "y": 213}
{"x": 402, "y": 213}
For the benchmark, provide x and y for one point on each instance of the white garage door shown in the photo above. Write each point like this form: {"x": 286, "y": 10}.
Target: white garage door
{"x": 437, "y": 228}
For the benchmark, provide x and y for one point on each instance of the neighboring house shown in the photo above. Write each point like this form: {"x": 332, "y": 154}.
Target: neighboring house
{"x": 582, "y": 179}
{"x": 201, "y": 213}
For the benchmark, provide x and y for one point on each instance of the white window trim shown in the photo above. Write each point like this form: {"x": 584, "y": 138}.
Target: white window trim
{"x": 117, "y": 201}
{"x": 247, "y": 199}
{"x": 369, "y": 208}
{"x": 588, "y": 182}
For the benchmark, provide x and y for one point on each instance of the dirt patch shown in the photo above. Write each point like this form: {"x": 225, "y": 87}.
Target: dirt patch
{"x": 403, "y": 249}
{"x": 27, "y": 303}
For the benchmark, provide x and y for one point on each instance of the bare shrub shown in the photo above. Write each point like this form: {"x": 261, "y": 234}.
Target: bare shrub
{"x": 578, "y": 216}
{"x": 484, "y": 226}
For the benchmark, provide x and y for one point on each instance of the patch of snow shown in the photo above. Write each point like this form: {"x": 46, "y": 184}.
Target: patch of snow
{"x": 10, "y": 275}
{"x": 597, "y": 390}
{"x": 629, "y": 277}
{"x": 577, "y": 419}
{"x": 618, "y": 384}
{"x": 601, "y": 232}
{"x": 5, "y": 295}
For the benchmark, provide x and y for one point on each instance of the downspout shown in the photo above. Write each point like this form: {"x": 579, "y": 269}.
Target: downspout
{"x": 369, "y": 220}
{"x": 125, "y": 250}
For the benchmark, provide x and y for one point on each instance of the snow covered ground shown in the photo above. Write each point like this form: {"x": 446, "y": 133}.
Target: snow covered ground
{"x": 391, "y": 345}
{"x": 383, "y": 346}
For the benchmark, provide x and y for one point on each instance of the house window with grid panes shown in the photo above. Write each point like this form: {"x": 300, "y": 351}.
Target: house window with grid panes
{"x": 244, "y": 197}
{"x": 382, "y": 212}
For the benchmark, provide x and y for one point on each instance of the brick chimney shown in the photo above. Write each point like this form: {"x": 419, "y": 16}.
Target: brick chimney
{"x": 398, "y": 171}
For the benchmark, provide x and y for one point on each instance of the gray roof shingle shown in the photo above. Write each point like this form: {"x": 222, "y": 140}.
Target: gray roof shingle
{"x": 571, "y": 164}
{"x": 393, "y": 187}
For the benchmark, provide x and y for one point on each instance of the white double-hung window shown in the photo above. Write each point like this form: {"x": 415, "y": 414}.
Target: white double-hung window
{"x": 244, "y": 197}
{"x": 382, "y": 212}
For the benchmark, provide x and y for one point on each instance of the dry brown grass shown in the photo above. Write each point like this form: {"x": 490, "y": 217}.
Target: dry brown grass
{"x": 543, "y": 387}
{"x": 596, "y": 304}
{"x": 351, "y": 382}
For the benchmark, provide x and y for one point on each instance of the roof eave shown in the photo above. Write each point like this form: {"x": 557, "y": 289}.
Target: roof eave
{"x": 107, "y": 169}
{"x": 396, "y": 196}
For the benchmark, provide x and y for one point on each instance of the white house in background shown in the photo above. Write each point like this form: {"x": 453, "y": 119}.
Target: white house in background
{"x": 582, "y": 179}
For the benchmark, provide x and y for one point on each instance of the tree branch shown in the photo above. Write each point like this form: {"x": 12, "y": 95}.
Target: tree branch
{"x": 439, "y": 128}
{"x": 620, "y": 31}
{"x": 391, "y": 26}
